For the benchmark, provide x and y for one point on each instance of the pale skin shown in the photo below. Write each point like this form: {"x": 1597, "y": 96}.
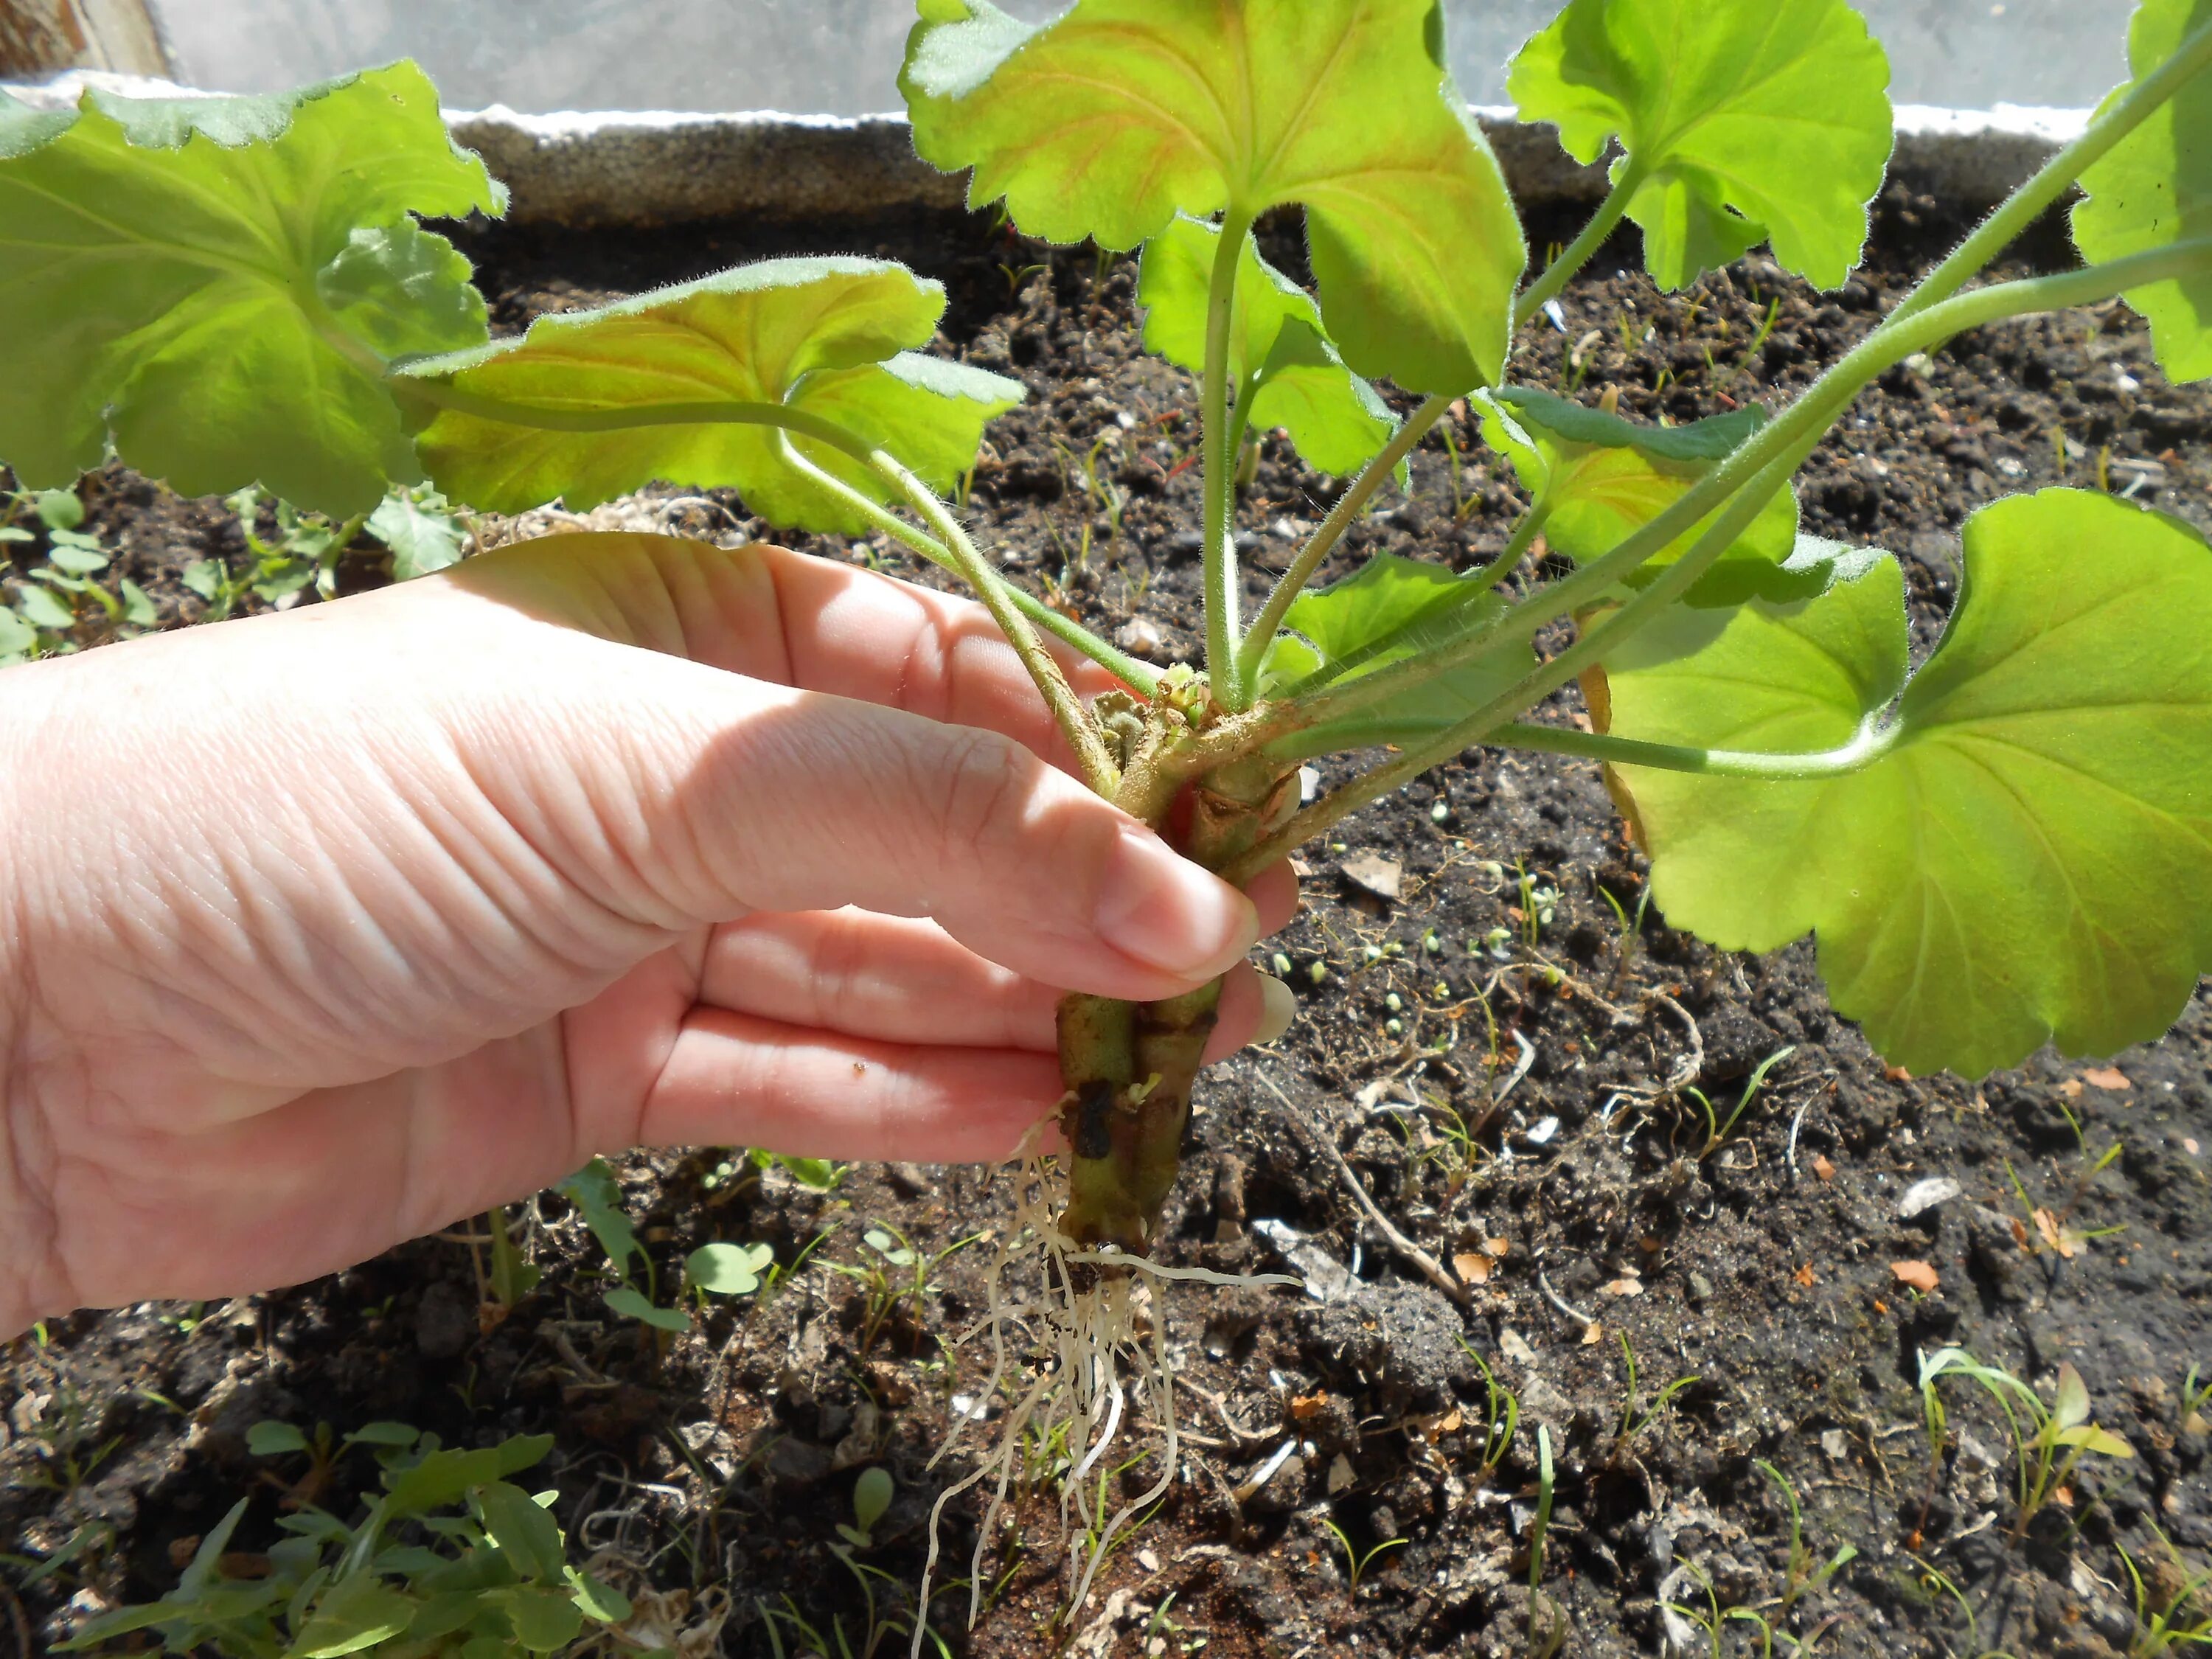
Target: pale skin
{"x": 322, "y": 931}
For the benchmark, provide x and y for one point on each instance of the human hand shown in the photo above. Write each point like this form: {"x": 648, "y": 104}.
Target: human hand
{"x": 323, "y": 930}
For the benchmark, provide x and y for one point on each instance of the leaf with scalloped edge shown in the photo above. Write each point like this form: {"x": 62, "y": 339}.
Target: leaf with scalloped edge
{"x": 1602, "y": 478}
{"x": 830, "y": 337}
{"x": 2154, "y": 188}
{"x": 2029, "y": 859}
{"x": 211, "y": 283}
{"x": 1334, "y": 418}
{"x": 1106, "y": 122}
{"x": 1751, "y": 121}
{"x": 1385, "y": 595}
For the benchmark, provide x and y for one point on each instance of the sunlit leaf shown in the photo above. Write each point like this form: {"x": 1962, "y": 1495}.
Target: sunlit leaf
{"x": 1748, "y": 121}
{"x": 598, "y": 1599}
{"x": 1334, "y": 418}
{"x": 1108, "y": 121}
{"x": 270, "y": 1439}
{"x": 2072, "y": 1406}
{"x": 728, "y": 1269}
{"x": 1387, "y": 595}
{"x": 544, "y": 1620}
{"x": 423, "y": 536}
{"x": 213, "y": 284}
{"x": 1600, "y": 478}
{"x": 2155, "y": 189}
{"x": 353, "y": 1613}
{"x": 830, "y": 337}
{"x": 2029, "y": 860}
{"x": 632, "y": 1304}
{"x": 526, "y": 1534}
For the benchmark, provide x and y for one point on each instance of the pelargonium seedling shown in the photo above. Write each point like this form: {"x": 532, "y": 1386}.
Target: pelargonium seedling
{"x": 2009, "y": 844}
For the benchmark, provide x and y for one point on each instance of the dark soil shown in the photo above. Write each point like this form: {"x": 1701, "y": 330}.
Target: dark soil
{"x": 1549, "y": 1150}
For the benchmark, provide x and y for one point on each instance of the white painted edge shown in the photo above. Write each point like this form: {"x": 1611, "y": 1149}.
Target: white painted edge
{"x": 585, "y": 167}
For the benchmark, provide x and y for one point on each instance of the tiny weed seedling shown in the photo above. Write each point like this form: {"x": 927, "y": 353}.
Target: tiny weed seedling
{"x": 1804, "y": 1573}
{"x": 1355, "y": 1560}
{"x": 1501, "y": 1414}
{"x": 1633, "y": 1420}
{"x": 2171, "y": 1607}
{"x": 598, "y": 1198}
{"x": 872, "y": 1497}
{"x": 449, "y": 1560}
{"x": 2050, "y": 1438}
{"x": 206, "y": 297}
{"x": 1717, "y": 1129}
{"x": 1548, "y": 1619}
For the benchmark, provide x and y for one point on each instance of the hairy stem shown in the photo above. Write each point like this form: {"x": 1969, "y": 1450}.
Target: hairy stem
{"x": 2057, "y": 175}
{"x": 1066, "y": 630}
{"x": 1350, "y": 504}
{"x": 1743, "y": 482}
{"x": 1099, "y": 768}
{"x": 1872, "y": 742}
{"x": 1217, "y": 443}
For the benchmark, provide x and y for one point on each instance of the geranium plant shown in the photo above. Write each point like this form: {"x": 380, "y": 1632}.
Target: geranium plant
{"x": 2010, "y": 845}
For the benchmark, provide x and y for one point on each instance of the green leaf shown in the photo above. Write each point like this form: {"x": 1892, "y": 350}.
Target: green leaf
{"x": 633, "y": 1304}
{"x": 2029, "y": 860}
{"x": 76, "y": 560}
{"x": 353, "y": 1613}
{"x": 830, "y": 337}
{"x": 544, "y": 1620}
{"x": 270, "y": 1439}
{"x": 1334, "y": 418}
{"x": 1600, "y": 479}
{"x": 2155, "y": 189}
{"x": 524, "y": 1532}
{"x": 1107, "y": 122}
{"x": 728, "y": 1269}
{"x": 422, "y": 536}
{"x": 596, "y": 1194}
{"x": 2092, "y": 1439}
{"x": 384, "y": 1433}
{"x": 17, "y": 636}
{"x": 598, "y": 1599}
{"x": 1388, "y": 594}
{"x": 1747, "y": 120}
{"x": 42, "y": 610}
{"x": 520, "y": 1452}
{"x": 212, "y": 282}
{"x": 58, "y": 509}
{"x": 2072, "y": 1406}
{"x": 872, "y": 1497}
{"x": 440, "y": 1479}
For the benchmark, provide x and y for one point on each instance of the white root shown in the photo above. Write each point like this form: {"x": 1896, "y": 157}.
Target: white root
{"x": 1081, "y": 1354}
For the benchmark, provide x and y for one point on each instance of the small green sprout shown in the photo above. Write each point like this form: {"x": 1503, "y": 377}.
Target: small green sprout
{"x": 1717, "y": 1130}
{"x": 450, "y": 1560}
{"x": 1356, "y": 1562}
{"x": 872, "y": 1497}
{"x": 726, "y": 1269}
{"x": 1548, "y": 1619}
{"x": 1803, "y": 1575}
{"x": 1501, "y": 1413}
{"x": 2050, "y": 1438}
{"x": 2171, "y": 1609}
{"x": 1633, "y": 1422}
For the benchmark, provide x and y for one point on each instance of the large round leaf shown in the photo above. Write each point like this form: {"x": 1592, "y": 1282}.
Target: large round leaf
{"x": 212, "y": 281}
{"x": 2155, "y": 189}
{"x": 826, "y": 336}
{"x": 2030, "y": 859}
{"x": 1751, "y": 120}
{"x": 1107, "y": 122}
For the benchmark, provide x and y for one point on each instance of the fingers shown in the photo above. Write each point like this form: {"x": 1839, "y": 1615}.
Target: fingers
{"x": 816, "y": 1094}
{"x": 783, "y": 616}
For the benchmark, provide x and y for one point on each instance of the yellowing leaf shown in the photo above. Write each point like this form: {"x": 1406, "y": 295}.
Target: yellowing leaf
{"x": 1107, "y": 122}
{"x": 827, "y": 337}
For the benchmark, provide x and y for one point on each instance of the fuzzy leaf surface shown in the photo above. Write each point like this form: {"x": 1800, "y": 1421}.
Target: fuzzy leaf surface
{"x": 1386, "y": 595}
{"x": 1335, "y": 419}
{"x": 2029, "y": 860}
{"x": 2154, "y": 188}
{"x": 1752, "y": 120}
{"x": 830, "y": 337}
{"x": 1602, "y": 478}
{"x": 211, "y": 283}
{"x": 1109, "y": 120}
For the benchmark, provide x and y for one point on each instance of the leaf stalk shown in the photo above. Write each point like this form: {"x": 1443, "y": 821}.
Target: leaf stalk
{"x": 1219, "y": 437}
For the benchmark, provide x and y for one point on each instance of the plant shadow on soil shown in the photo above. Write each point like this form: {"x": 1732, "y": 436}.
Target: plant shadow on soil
{"x": 1529, "y": 1094}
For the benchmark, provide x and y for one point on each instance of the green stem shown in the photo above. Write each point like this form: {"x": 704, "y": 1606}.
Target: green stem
{"x": 1099, "y": 770}
{"x": 1067, "y": 631}
{"x": 1218, "y": 460}
{"x": 1576, "y": 253}
{"x": 1341, "y": 517}
{"x": 1872, "y": 742}
{"x": 1762, "y": 466}
{"x": 1353, "y": 501}
{"x": 2057, "y": 175}
{"x": 1423, "y": 630}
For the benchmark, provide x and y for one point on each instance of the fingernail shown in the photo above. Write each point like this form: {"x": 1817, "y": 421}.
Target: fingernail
{"x": 1278, "y": 1008}
{"x": 1165, "y": 911}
